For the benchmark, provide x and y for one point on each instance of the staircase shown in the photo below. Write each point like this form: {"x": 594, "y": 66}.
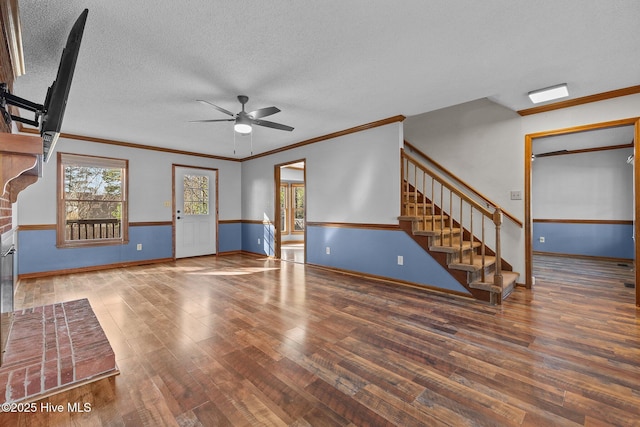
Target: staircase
{"x": 456, "y": 230}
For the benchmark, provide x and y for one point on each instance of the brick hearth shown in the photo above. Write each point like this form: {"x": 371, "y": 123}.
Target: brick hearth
{"x": 52, "y": 348}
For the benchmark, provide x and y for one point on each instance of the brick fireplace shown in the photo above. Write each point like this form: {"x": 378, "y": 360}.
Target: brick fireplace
{"x": 52, "y": 348}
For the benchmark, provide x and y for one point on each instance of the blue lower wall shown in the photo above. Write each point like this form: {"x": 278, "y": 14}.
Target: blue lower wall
{"x": 37, "y": 251}
{"x": 598, "y": 240}
{"x": 229, "y": 237}
{"x": 258, "y": 238}
{"x": 368, "y": 251}
{"x": 375, "y": 252}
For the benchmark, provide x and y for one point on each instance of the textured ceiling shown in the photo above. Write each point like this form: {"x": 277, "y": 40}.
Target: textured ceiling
{"x": 328, "y": 65}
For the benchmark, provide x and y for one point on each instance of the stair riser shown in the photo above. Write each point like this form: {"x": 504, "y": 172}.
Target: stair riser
{"x": 416, "y": 211}
{"x": 431, "y": 226}
{"x": 477, "y": 275}
{"x": 466, "y": 259}
{"x": 454, "y": 241}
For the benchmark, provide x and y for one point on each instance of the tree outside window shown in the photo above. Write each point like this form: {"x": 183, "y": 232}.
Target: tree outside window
{"x": 196, "y": 194}
{"x": 298, "y": 207}
{"x": 284, "y": 208}
{"x": 93, "y": 204}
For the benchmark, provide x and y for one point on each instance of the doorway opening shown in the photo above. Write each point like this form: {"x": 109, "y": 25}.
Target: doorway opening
{"x": 290, "y": 215}
{"x": 580, "y": 190}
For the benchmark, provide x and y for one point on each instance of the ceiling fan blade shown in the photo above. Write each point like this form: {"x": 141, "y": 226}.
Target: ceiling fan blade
{"x": 222, "y": 110}
{"x": 214, "y": 120}
{"x": 263, "y": 112}
{"x": 273, "y": 125}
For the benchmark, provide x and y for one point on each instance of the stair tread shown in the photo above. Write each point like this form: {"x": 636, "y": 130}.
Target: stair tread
{"x": 412, "y": 203}
{"x": 435, "y": 233}
{"x": 508, "y": 277}
{"x": 421, "y": 217}
{"x": 466, "y": 265}
{"x": 466, "y": 245}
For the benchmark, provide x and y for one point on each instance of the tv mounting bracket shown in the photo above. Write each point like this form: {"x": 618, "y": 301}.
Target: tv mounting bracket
{"x": 7, "y": 98}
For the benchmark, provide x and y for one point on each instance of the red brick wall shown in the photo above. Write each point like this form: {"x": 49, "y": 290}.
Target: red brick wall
{"x": 5, "y": 213}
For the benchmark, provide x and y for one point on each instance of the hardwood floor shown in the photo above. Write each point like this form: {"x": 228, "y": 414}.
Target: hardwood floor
{"x": 292, "y": 252}
{"x": 237, "y": 340}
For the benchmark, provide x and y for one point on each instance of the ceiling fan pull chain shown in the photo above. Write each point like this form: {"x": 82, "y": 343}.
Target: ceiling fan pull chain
{"x": 234, "y": 143}
{"x": 252, "y": 143}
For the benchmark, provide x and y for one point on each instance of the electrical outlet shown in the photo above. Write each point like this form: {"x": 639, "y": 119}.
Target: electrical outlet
{"x": 139, "y": 247}
{"x": 327, "y": 250}
{"x": 167, "y": 204}
{"x": 516, "y": 195}
{"x": 541, "y": 239}
{"x": 400, "y": 260}
{"x": 258, "y": 241}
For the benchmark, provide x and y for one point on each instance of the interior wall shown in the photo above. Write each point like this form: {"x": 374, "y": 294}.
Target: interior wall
{"x": 150, "y": 203}
{"x": 566, "y": 187}
{"x": 291, "y": 175}
{"x": 348, "y": 178}
{"x": 483, "y": 143}
{"x": 353, "y": 193}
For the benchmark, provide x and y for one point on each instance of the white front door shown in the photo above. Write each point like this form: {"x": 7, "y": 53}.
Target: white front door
{"x": 196, "y": 211}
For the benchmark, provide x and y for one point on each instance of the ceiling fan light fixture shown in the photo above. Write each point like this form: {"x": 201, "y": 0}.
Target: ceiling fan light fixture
{"x": 242, "y": 128}
{"x": 242, "y": 125}
{"x": 549, "y": 93}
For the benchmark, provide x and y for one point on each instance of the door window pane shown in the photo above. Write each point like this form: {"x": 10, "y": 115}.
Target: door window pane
{"x": 196, "y": 195}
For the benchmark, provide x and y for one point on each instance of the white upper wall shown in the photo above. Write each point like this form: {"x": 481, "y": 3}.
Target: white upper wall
{"x": 150, "y": 183}
{"x": 292, "y": 175}
{"x": 353, "y": 178}
{"x": 480, "y": 142}
{"x": 566, "y": 187}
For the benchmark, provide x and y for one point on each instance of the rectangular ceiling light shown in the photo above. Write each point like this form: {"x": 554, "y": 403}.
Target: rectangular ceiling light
{"x": 549, "y": 93}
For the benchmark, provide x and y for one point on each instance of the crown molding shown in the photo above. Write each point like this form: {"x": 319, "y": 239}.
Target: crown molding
{"x": 360, "y": 128}
{"x": 579, "y": 101}
{"x": 394, "y": 119}
{"x": 22, "y": 129}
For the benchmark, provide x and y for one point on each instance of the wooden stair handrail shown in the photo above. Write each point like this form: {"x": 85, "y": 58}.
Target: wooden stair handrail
{"x": 486, "y": 212}
{"x": 470, "y": 188}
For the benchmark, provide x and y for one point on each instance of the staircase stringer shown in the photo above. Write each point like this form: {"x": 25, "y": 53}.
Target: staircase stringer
{"x": 441, "y": 258}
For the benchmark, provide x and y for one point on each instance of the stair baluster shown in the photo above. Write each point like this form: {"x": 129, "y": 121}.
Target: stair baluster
{"x": 497, "y": 220}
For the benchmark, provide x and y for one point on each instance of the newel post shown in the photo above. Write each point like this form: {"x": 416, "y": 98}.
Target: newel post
{"x": 497, "y": 220}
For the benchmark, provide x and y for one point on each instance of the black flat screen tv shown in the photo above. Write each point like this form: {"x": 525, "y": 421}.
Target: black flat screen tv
{"x": 57, "y": 94}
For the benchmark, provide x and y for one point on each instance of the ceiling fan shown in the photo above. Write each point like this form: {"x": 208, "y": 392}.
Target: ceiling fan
{"x": 244, "y": 120}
